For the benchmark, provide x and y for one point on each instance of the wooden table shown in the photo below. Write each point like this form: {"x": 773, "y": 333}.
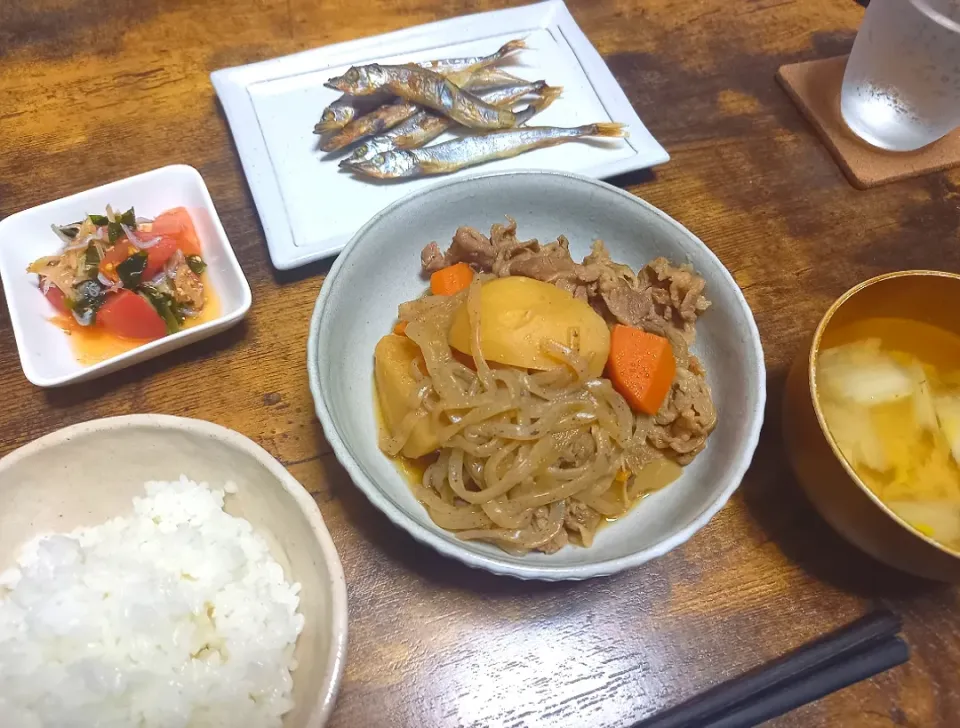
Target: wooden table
{"x": 95, "y": 90}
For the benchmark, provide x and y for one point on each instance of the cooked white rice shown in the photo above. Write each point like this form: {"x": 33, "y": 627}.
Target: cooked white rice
{"x": 176, "y": 616}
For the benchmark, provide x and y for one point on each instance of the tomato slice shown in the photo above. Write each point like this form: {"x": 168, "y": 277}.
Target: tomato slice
{"x": 57, "y": 300}
{"x": 158, "y": 255}
{"x": 177, "y": 223}
{"x": 114, "y": 257}
{"x": 128, "y": 315}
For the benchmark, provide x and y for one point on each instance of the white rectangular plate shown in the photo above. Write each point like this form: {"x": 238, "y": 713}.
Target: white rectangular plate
{"x": 310, "y": 208}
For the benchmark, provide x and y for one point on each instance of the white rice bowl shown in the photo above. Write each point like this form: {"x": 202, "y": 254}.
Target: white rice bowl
{"x": 176, "y": 615}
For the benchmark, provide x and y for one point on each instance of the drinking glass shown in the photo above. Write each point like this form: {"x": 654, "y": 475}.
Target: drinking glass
{"x": 901, "y": 87}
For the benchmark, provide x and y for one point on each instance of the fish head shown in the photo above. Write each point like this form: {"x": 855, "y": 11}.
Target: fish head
{"x": 336, "y": 115}
{"x": 333, "y": 119}
{"x": 359, "y": 80}
{"x": 387, "y": 165}
{"x": 361, "y": 152}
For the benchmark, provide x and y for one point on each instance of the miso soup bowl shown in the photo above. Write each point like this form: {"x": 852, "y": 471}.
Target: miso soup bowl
{"x": 831, "y": 484}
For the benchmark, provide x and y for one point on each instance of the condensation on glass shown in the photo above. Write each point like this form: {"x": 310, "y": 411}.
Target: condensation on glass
{"x": 901, "y": 88}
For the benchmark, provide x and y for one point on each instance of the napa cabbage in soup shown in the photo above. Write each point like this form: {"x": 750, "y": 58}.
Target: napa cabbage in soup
{"x": 890, "y": 396}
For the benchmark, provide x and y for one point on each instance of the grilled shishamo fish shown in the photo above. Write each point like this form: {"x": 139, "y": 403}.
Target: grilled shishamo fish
{"x": 425, "y": 126}
{"x": 426, "y": 88}
{"x": 345, "y": 109}
{"x": 449, "y": 65}
{"x": 389, "y": 115}
{"x": 377, "y": 121}
{"x": 338, "y": 114}
{"x": 460, "y": 153}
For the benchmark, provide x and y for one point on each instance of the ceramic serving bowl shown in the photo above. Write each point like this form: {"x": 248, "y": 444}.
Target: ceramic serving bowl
{"x": 380, "y": 268}
{"x": 46, "y": 355}
{"x": 831, "y": 484}
{"x": 59, "y": 482}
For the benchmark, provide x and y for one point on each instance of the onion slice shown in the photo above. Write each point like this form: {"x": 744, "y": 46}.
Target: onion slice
{"x": 81, "y": 242}
{"x": 108, "y": 285}
{"x": 137, "y": 242}
{"x": 62, "y": 235}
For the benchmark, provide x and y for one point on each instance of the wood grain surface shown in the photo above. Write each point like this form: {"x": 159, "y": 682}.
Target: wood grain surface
{"x": 95, "y": 90}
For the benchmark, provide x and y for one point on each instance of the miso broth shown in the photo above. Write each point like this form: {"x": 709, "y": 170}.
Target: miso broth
{"x": 889, "y": 390}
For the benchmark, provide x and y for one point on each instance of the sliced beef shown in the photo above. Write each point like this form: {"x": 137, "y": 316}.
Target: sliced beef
{"x": 639, "y": 450}
{"x": 432, "y": 258}
{"x": 502, "y": 253}
{"x": 685, "y": 419}
{"x": 468, "y": 246}
{"x": 674, "y": 295}
{"x": 581, "y": 521}
{"x": 599, "y": 262}
{"x": 546, "y": 532}
{"x": 575, "y": 447}
{"x": 556, "y": 543}
{"x": 630, "y": 306}
{"x": 684, "y": 286}
{"x": 546, "y": 263}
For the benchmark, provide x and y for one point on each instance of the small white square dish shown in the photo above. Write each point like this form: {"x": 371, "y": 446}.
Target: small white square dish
{"x": 310, "y": 207}
{"x": 46, "y": 352}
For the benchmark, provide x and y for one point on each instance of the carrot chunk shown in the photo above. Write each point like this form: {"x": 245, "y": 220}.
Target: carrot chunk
{"x": 641, "y": 367}
{"x": 450, "y": 280}
{"x": 400, "y": 329}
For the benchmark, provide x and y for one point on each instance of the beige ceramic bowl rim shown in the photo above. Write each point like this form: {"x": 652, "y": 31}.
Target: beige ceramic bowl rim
{"x": 812, "y": 378}
{"x": 333, "y": 670}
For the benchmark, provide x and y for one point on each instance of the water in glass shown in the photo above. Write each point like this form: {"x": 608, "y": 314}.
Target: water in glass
{"x": 901, "y": 88}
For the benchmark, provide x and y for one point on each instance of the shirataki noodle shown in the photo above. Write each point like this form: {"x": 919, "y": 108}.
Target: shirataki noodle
{"x": 521, "y": 453}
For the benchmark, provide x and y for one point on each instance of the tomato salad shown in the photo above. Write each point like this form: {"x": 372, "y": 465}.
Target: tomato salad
{"x": 131, "y": 277}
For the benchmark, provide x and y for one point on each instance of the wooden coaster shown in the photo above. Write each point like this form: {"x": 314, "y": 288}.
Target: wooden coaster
{"x": 814, "y": 86}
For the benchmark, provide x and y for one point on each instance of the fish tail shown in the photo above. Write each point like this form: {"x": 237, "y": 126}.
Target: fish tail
{"x": 512, "y": 47}
{"x": 605, "y": 129}
{"x": 548, "y": 94}
{"x": 502, "y": 77}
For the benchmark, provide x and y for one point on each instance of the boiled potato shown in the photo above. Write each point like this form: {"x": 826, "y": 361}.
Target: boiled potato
{"x": 517, "y": 314}
{"x": 392, "y": 360}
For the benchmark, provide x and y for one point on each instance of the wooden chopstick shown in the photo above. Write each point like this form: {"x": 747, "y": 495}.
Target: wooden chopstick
{"x": 869, "y": 643}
